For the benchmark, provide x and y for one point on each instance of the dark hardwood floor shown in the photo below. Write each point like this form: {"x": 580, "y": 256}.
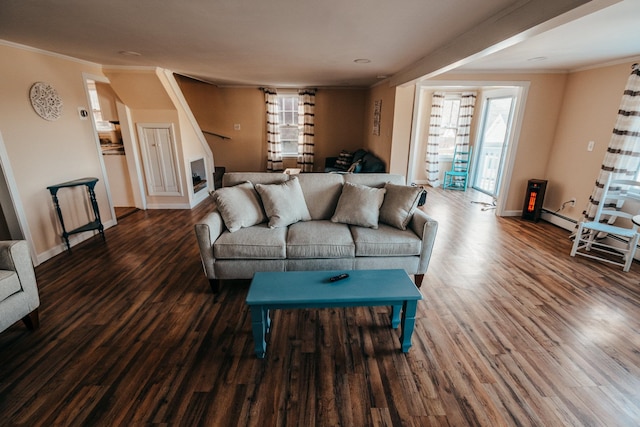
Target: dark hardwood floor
{"x": 512, "y": 331}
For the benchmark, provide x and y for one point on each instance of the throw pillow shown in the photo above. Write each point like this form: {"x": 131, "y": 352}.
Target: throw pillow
{"x": 399, "y": 203}
{"x": 359, "y": 205}
{"x": 344, "y": 160}
{"x": 239, "y": 206}
{"x": 284, "y": 203}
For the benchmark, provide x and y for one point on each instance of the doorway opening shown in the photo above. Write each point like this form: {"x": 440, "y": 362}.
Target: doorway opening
{"x": 115, "y": 147}
{"x": 500, "y": 105}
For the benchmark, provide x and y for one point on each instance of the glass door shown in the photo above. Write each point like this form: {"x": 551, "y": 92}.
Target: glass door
{"x": 493, "y": 142}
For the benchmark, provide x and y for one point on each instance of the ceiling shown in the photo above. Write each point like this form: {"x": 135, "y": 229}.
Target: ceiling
{"x": 297, "y": 43}
{"x": 607, "y": 35}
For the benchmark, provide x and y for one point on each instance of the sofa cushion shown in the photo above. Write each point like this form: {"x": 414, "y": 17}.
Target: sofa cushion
{"x": 239, "y": 206}
{"x": 385, "y": 241}
{"x": 321, "y": 192}
{"x": 257, "y": 242}
{"x": 359, "y": 205}
{"x": 234, "y": 178}
{"x": 284, "y": 203}
{"x": 319, "y": 239}
{"x": 10, "y": 284}
{"x": 399, "y": 203}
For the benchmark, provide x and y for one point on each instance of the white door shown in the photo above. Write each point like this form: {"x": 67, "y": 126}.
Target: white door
{"x": 160, "y": 162}
{"x": 492, "y": 144}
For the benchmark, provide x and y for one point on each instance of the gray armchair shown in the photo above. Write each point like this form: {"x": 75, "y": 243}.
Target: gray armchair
{"x": 18, "y": 288}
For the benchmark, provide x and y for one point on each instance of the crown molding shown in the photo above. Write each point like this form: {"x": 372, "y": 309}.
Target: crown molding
{"x": 48, "y": 53}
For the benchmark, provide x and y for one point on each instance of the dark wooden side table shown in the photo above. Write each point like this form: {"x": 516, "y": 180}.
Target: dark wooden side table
{"x": 96, "y": 224}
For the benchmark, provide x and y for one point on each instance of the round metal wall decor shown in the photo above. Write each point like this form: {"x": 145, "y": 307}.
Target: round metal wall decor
{"x": 45, "y": 101}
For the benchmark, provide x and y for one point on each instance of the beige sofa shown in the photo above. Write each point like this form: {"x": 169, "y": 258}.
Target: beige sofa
{"x": 19, "y": 298}
{"x": 314, "y": 221}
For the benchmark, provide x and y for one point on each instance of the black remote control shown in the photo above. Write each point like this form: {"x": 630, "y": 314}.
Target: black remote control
{"x": 338, "y": 277}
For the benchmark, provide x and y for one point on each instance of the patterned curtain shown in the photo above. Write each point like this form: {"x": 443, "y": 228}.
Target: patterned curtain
{"x": 467, "y": 105}
{"x": 306, "y": 108}
{"x": 433, "y": 140}
{"x": 623, "y": 155}
{"x": 274, "y": 147}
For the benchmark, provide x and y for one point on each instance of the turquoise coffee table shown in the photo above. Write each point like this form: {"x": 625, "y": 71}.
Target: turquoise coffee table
{"x": 312, "y": 289}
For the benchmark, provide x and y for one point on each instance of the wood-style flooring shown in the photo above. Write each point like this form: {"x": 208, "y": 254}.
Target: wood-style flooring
{"x": 512, "y": 331}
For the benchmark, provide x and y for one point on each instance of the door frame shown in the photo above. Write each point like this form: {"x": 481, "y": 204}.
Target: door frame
{"x": 499, "y": 93}
{"x": 467, "y": 85}
{"x": 130, "y": 146}
{"x": 17, "y": 217}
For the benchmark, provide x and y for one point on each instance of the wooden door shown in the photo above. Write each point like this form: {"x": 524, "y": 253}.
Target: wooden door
{"x": 160, "y": 161}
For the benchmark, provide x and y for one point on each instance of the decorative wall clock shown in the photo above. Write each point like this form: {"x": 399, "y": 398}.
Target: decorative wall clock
{"x": 45, "y": 101}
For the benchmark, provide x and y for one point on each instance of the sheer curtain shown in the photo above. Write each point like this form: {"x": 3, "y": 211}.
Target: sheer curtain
{"x": 274, "y": 147}
{"x": 623, "y": 154}
{"x": 433, "y": 140}
{"x": 306, "y": 108}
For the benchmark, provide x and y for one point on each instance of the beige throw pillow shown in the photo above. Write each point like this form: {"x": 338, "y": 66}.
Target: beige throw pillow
{"x": 399, "y": 203}
{"x": 239, "y": 206}
{"x": 284, "y": 203}
{"x": 359, "y": 205}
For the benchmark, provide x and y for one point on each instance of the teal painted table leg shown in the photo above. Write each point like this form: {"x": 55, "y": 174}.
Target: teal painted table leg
{"x": 267, "y": 320}
{"x": 259, "y": 317}
{"x": 408, "y": 322}
{"x": 395, "y": 316}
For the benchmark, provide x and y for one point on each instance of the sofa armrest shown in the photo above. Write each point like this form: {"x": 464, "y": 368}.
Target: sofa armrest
{"x": 207, "y": 232}
{"x": 426, "y": 228}
{"x": 14, "y": 256}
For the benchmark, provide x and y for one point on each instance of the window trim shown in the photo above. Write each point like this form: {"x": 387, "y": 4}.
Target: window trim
{"x": 448, "y": 157}
{"x": 289, "y": 94}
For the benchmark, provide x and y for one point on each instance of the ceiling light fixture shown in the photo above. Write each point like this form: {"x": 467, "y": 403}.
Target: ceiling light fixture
{"x": 362, "y": 61}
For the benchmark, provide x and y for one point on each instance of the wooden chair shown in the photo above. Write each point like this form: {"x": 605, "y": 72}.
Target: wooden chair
{"x": 457, "y": 177}
{"x": 612, "y": 225}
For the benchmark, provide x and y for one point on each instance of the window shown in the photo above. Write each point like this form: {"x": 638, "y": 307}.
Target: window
{"x": 101, "y": 125}
{"x": 290, "y": 127}
{"x": 449, "y": 126}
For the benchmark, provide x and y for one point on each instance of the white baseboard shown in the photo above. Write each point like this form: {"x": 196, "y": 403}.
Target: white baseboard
{"x": 168, "y": 206}
{"x": 73, "y": 241}
{"x": 559, "y": 220}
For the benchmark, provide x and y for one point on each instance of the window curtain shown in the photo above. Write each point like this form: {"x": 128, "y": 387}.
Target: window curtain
{"x": 623, "y": 154}
{"x": 306, "y": 111}
{"x": 467, "y": 106}
{"x": 274, "y": 147}
{"x": 433, "y": 140}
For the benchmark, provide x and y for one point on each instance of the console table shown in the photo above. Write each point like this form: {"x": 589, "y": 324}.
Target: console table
{"x": 96, "y": 224}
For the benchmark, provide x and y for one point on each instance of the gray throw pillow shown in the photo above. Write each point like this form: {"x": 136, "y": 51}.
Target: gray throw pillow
{"x": 359, "y": 205}
{"x": 284, "y": 203}
{"x": 239, "y": 206}
{"x": 399, "y": 203}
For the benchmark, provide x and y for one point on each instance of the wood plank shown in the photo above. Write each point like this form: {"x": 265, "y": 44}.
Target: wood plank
{"x": 511, "y": 331}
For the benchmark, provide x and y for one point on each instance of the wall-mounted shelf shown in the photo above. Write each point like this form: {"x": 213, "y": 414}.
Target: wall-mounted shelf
{"x": 216, "y": 134}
